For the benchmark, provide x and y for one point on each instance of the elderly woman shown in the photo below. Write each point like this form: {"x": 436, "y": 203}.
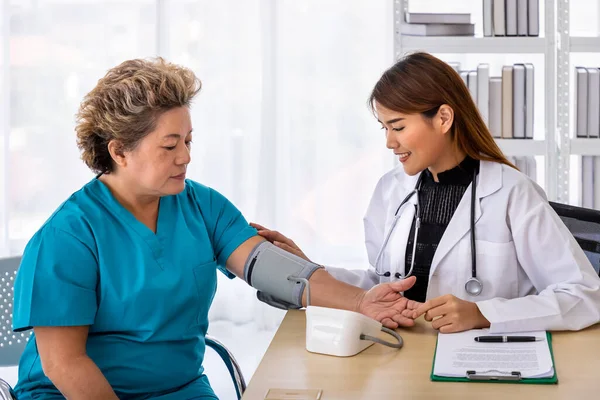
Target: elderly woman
{"x": 117, "y": 284}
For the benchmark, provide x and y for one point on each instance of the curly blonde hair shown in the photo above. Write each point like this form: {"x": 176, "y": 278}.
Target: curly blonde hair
{"x": 126, "y": 104}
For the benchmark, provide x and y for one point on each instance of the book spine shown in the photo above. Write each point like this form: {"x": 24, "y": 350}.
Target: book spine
{"x": 499, "y": 18}
{"x": 519, "y": 101}
{"x": 483, "y": 94}
{"x": 496, "y": 106}
{"x": 487, "y": 18}
{"x": 533, "y": 14}
{"x": 581, "y": 102}
{"x": 529, "y": 96}
{"x": 511, "y": 17}
{"x": 507, "y": 102}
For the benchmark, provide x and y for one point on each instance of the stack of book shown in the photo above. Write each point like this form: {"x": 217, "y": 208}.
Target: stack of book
{"x": 587, "y": 125}
{"x": 587, "y": 100}
{"x": 511, "y": 18}
{"x": 590, "y": 182}
{"x": 430, "y": 24}
{"x": 526, "y": 165}
{"x": 505, "y": 103}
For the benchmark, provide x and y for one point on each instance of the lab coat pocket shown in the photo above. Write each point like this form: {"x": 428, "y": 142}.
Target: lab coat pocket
{"x": 497, "y": 268}
{"x": 205, "y": 280}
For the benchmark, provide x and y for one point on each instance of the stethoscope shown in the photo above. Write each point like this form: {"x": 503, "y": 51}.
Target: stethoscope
{"x": 473, "y": 286}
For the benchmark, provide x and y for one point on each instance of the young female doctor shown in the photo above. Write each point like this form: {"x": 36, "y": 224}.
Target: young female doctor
{"x": 485, "y": 246}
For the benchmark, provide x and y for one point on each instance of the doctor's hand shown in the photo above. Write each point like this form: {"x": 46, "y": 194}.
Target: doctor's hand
{"x": 384, "y": 303}
{"x": 450, "y": 314}
{"x": 279, "y": 240}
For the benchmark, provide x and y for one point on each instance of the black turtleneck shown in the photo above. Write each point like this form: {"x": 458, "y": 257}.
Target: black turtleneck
{"x": 438, "y": 201}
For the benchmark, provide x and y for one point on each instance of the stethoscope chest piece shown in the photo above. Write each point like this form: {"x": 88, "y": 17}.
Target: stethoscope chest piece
{"x": 473, "y": 286}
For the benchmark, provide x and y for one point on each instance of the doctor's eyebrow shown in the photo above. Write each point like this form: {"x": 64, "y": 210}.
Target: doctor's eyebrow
{"x": 391, "y": 121}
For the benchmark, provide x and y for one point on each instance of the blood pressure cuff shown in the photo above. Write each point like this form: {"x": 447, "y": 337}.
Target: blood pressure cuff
{"x": 268, "y": 268}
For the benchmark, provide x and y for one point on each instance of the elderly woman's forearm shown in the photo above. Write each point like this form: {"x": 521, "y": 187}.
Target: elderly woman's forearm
{"x": 79, "y": 378}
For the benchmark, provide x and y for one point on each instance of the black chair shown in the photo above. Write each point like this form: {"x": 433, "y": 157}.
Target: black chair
{"x": 584, "y": 224}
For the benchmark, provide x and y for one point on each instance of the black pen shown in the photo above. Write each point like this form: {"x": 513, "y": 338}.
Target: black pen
{"x": 505, "y": 339}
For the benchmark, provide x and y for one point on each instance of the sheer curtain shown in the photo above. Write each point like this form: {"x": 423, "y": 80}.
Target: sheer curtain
{"x": 281, "y": 126}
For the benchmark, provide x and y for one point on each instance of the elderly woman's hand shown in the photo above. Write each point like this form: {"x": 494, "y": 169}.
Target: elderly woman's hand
{"x": 385, "y": 304}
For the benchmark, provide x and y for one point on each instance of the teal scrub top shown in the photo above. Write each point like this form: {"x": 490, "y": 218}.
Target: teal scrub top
{"x": 145, "y": 295}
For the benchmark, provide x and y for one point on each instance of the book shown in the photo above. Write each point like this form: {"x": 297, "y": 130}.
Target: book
{"x": 472, "y": 84}
{"x": 438, "y": 29}
{"x": 531, "y": 167}
{"x": 507, "y": 102}
{"x": 488, "y": 28}
{"x": 593, "y": 103}
{"x": 499, "y": 18}
{"x": 587, "y": 181}
{"x": 581, "y": 102}
{"x": 455, "y": 66}
{"x": 495, "y": 116}
{"x": 519, "y": 101}
{"x": 511, "y": 17}
{"x": 437, "y": 18}
{"x": 465, "y": 77}
{"x": 533, "y": 17}
{"x": 521, "y": 164}
{"x": 483, "y": 94}
{"x": 597, "y": 182}
{"x": 529, "y": 93}
{"x": 522, "y": 17}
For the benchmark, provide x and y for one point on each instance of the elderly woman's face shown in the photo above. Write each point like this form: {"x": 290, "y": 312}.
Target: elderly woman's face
{"x": 158, "y": 163}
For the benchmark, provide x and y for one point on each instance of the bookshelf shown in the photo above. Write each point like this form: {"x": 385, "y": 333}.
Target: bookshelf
{"x": 523, "y": 147}
{"x": 584, "y": 44}
{"x": 470, "y": 44}
{"x": 585, "y": 147}
{"x": 568, "y": 144}
{"x": 553, "y": 147}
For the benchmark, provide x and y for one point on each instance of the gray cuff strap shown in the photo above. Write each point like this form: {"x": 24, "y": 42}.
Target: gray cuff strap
{"x": 268, "y": 268}
{"x": 273, "y": 302}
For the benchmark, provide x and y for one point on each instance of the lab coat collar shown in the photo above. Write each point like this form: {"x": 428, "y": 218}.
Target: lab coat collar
{"x": 489, "y": 179}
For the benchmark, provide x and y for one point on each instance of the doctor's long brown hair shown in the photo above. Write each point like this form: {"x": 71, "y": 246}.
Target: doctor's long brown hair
{"x": 420, "y": 83}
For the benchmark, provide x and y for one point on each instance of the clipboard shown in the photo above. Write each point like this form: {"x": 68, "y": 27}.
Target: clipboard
{"x": 513, "y": 377}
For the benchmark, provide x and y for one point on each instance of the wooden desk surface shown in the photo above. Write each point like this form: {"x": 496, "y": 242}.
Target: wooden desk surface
{"x": 383, "y": 373}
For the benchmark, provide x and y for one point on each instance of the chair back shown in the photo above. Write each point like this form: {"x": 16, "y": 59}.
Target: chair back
{"x": 584, "y": 224}
{"x": 12, "y": 343}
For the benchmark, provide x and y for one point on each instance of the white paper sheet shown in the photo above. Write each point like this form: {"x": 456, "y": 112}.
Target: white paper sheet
{"x": 458, "y": 353}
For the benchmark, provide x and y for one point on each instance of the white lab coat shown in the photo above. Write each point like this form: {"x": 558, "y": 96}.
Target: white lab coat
{"x": 535, "y": 276}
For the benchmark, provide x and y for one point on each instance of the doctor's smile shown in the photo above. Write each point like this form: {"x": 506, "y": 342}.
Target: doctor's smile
{"x": 403, "y": 156}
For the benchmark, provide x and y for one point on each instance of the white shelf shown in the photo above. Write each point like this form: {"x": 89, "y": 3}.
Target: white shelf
{"x": 586, "y": 147}
{"x": 522, "y": 147}
{"x": 585, "y": 44}
{"x": 470, "y": 44}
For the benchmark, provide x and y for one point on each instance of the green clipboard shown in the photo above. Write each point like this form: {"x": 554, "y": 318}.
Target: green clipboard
{"x": 540, "y": 381}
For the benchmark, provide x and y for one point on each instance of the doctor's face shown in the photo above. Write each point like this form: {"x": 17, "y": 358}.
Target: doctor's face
{"x": 418, "y": 143}
{"x": 157, "y": 165}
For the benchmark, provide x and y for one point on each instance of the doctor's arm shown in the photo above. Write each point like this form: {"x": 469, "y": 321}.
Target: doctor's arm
{"x": 568, "y": 289}
{"x": 383, "y": 303}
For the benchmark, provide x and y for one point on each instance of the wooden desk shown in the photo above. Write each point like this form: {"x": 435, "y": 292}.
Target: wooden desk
{"x": 383, "y": 373}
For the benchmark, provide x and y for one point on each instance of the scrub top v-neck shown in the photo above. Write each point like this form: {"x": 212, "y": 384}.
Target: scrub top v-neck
{"x": 145, "y": 295}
